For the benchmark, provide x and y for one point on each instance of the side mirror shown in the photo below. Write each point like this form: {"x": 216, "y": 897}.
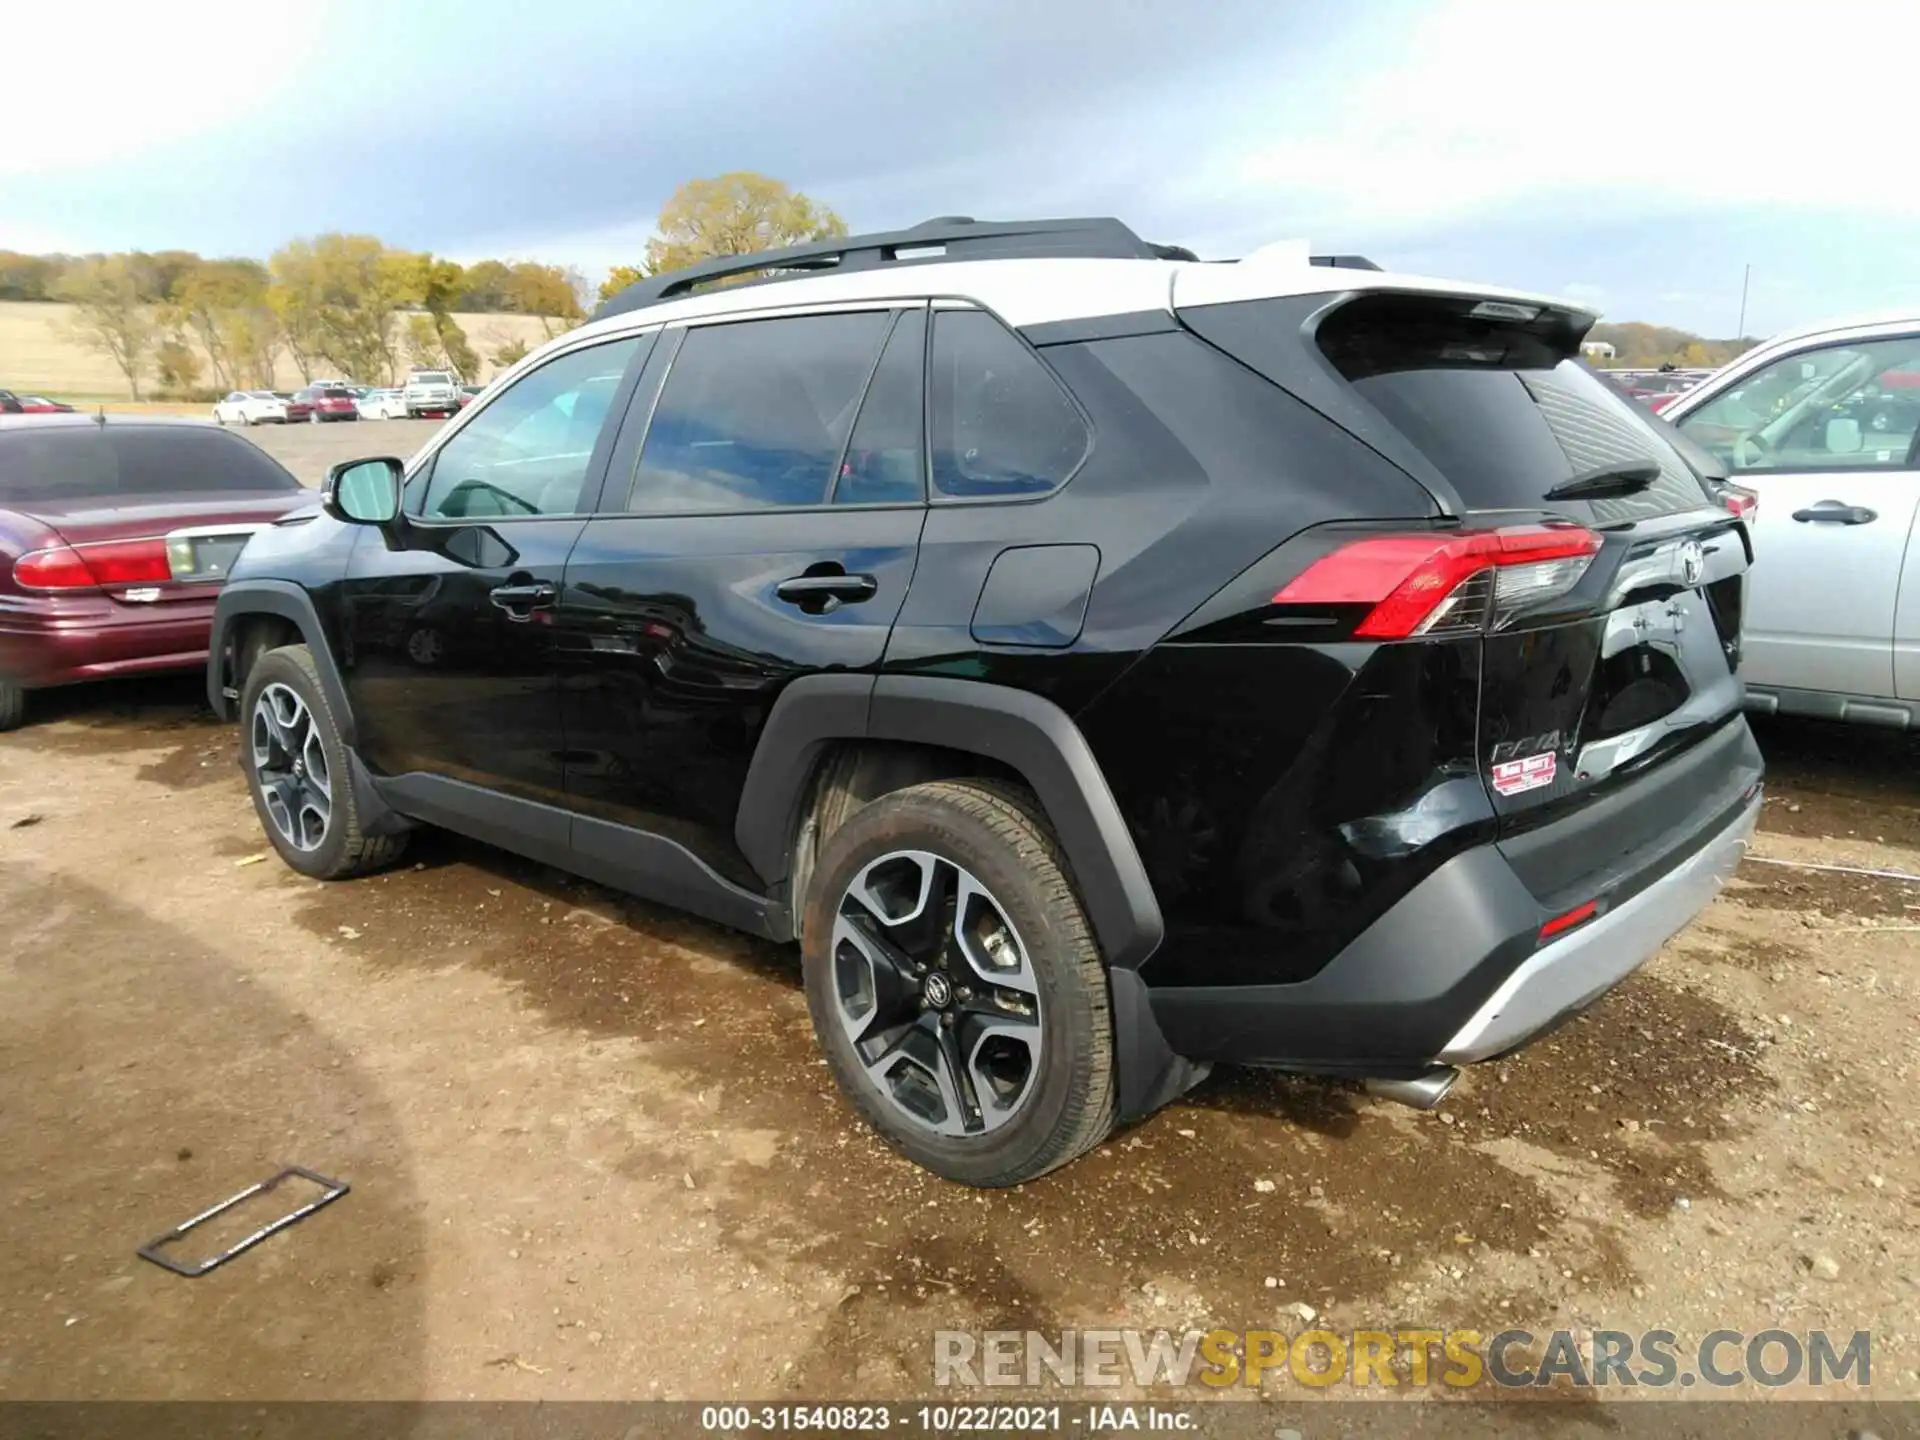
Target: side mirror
{"x": 363, "y": 492}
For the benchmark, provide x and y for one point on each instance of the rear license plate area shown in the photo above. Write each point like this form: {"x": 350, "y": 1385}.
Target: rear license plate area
{"x": 203, "y": 559}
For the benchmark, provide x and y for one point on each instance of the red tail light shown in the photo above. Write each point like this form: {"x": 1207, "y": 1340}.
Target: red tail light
{"x": 1741, "y": 501}
{"x": 81, "y": 567}
{"x": 1440, "y": 583}
{"x": 1579, "y": 915}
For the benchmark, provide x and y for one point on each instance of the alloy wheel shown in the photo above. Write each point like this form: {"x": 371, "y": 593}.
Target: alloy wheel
{"x": 290, "y": 765}
{"x": 936, "y": 993}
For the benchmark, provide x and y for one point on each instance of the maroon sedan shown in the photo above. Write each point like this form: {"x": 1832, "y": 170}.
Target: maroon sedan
{"x": 326, "y": 402}
{"x": 115, "y": 536}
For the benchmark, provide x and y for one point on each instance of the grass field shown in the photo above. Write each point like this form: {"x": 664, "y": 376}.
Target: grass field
{"x": 40, "y": 355}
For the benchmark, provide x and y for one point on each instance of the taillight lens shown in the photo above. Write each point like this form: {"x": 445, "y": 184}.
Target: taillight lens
{"x": 80, "y": 567}
{"x": 1443, "y": 583}
{"x": 1741, "y": 501}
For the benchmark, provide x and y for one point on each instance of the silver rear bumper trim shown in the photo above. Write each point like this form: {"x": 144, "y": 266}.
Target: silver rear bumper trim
{"x": 1600, "y": 954}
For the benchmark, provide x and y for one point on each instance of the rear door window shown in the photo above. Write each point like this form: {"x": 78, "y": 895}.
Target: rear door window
{"x": 756, "y": 414}
{"x": 1500, "y": 407}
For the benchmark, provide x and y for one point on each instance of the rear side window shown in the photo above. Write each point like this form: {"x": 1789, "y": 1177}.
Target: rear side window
{"x": 132, "y": 462}
{"x": 1499, "y": 407}
{"x": 1002, "y": 426}
{"x": 756, "y": 414}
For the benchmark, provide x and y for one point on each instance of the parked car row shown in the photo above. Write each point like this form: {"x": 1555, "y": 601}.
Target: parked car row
{"x": 1657, "y": 389}
{"x": 433, "y": 393}
{"x": 1410, "y": 723}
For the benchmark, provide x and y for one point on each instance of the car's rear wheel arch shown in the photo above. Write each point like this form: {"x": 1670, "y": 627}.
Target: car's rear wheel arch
{"x": 907, "y": 730}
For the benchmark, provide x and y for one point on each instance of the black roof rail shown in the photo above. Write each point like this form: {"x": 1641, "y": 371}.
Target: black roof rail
{"x": 1343, "y": 262}
{"x": 949, "y": 237}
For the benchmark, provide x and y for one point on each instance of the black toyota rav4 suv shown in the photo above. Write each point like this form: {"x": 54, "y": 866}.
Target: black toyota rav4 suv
{"x": 1101, "y": 662}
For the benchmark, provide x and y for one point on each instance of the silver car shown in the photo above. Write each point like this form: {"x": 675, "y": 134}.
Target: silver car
{"x": 1824, "y": 425}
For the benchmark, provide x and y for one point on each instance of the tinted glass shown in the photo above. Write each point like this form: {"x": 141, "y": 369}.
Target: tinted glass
{"x": 337, "y": 393}
{"x": 1498, "y": 407}
{"x": 886, "y": 455}
{"x": 527, "y": 452}
{"x": 756, "y": 414}
{"x": 1845, "y": 407}
{"x": 132, "y": 462}
{"x": 1001, "y": 423}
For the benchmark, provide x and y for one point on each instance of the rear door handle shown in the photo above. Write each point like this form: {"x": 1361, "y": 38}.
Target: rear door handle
{"x": 819, "y": 594}
{"x": 1836, "y": 512}
{"x": 518, "y": 600}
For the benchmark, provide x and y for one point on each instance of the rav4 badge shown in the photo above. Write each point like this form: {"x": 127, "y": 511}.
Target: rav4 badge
{"x": 1515, "y": 777}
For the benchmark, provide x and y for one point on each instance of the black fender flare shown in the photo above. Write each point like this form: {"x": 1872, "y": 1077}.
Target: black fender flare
{"x": 1025, "y": 732}
{"x": 243, "y": 598}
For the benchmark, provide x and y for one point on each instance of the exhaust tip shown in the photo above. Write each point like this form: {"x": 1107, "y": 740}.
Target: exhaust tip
{"x": 1423, "y": 1092}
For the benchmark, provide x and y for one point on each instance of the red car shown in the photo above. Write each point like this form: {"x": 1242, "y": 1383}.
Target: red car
{"x": 12, "y": 404}
{"x": 115, "y": 536}
{"x": 320, "y": 403}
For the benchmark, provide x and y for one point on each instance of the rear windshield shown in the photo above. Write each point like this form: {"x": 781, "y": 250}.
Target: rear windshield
{"x": 1499, "y": 405}
{"x": 336, "y": 392}
{"x": 433, "y": 377}
{"x": 132, "y": 462}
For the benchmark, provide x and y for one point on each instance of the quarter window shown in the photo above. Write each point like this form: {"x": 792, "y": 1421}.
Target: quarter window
{"x": 756, "y": 414}
{"x": 1002, "y": 425}
{"x": 528, "y": 452}
{"x": 1845, "y": 407}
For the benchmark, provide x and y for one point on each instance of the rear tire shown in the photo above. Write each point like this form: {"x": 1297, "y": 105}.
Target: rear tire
{"x": 305, "y": 800}
{"x": 13, "y": 705}
{"x": 980, "y": 1043}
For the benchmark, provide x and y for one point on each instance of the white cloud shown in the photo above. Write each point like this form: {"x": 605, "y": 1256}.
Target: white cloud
{"x": 132, "y": 82}
{"x": 1482, "y": 103}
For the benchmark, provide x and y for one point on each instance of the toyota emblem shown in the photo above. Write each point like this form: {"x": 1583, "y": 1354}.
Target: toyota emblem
{"x": 1693, "y": 562}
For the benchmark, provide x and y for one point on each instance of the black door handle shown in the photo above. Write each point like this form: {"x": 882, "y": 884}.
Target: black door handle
{"x": 1836, "y": 512}
{"x": 819, "y": 594}
{"x": 519, "y": 600}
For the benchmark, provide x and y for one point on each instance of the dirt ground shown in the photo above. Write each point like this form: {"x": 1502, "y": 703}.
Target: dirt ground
{"x": 594, "y": 1154}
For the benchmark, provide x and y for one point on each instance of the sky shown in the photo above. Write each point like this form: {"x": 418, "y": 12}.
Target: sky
{"x": 1635, "y": 157}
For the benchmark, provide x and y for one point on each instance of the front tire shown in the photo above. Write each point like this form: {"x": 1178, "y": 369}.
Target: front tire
{"x": 13, "y": 705}
{"x": 955, "y": 985}
{"x": 299, "y": 774}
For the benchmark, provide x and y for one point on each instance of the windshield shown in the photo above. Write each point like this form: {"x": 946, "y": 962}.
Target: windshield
{"x": 433, "y": 377}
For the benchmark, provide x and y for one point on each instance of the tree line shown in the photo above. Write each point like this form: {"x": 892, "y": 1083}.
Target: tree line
{"x": 1638, "y": 345}
{"x": 340, "y": 304}
{"x": 354, "y": 306}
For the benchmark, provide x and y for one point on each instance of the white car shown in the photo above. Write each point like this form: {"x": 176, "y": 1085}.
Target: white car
{"x": 251, "y": 407}
{"x": 1824, "y": 425}
{"x": 431, "y": 392}
{"x": 382, "y": 405}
